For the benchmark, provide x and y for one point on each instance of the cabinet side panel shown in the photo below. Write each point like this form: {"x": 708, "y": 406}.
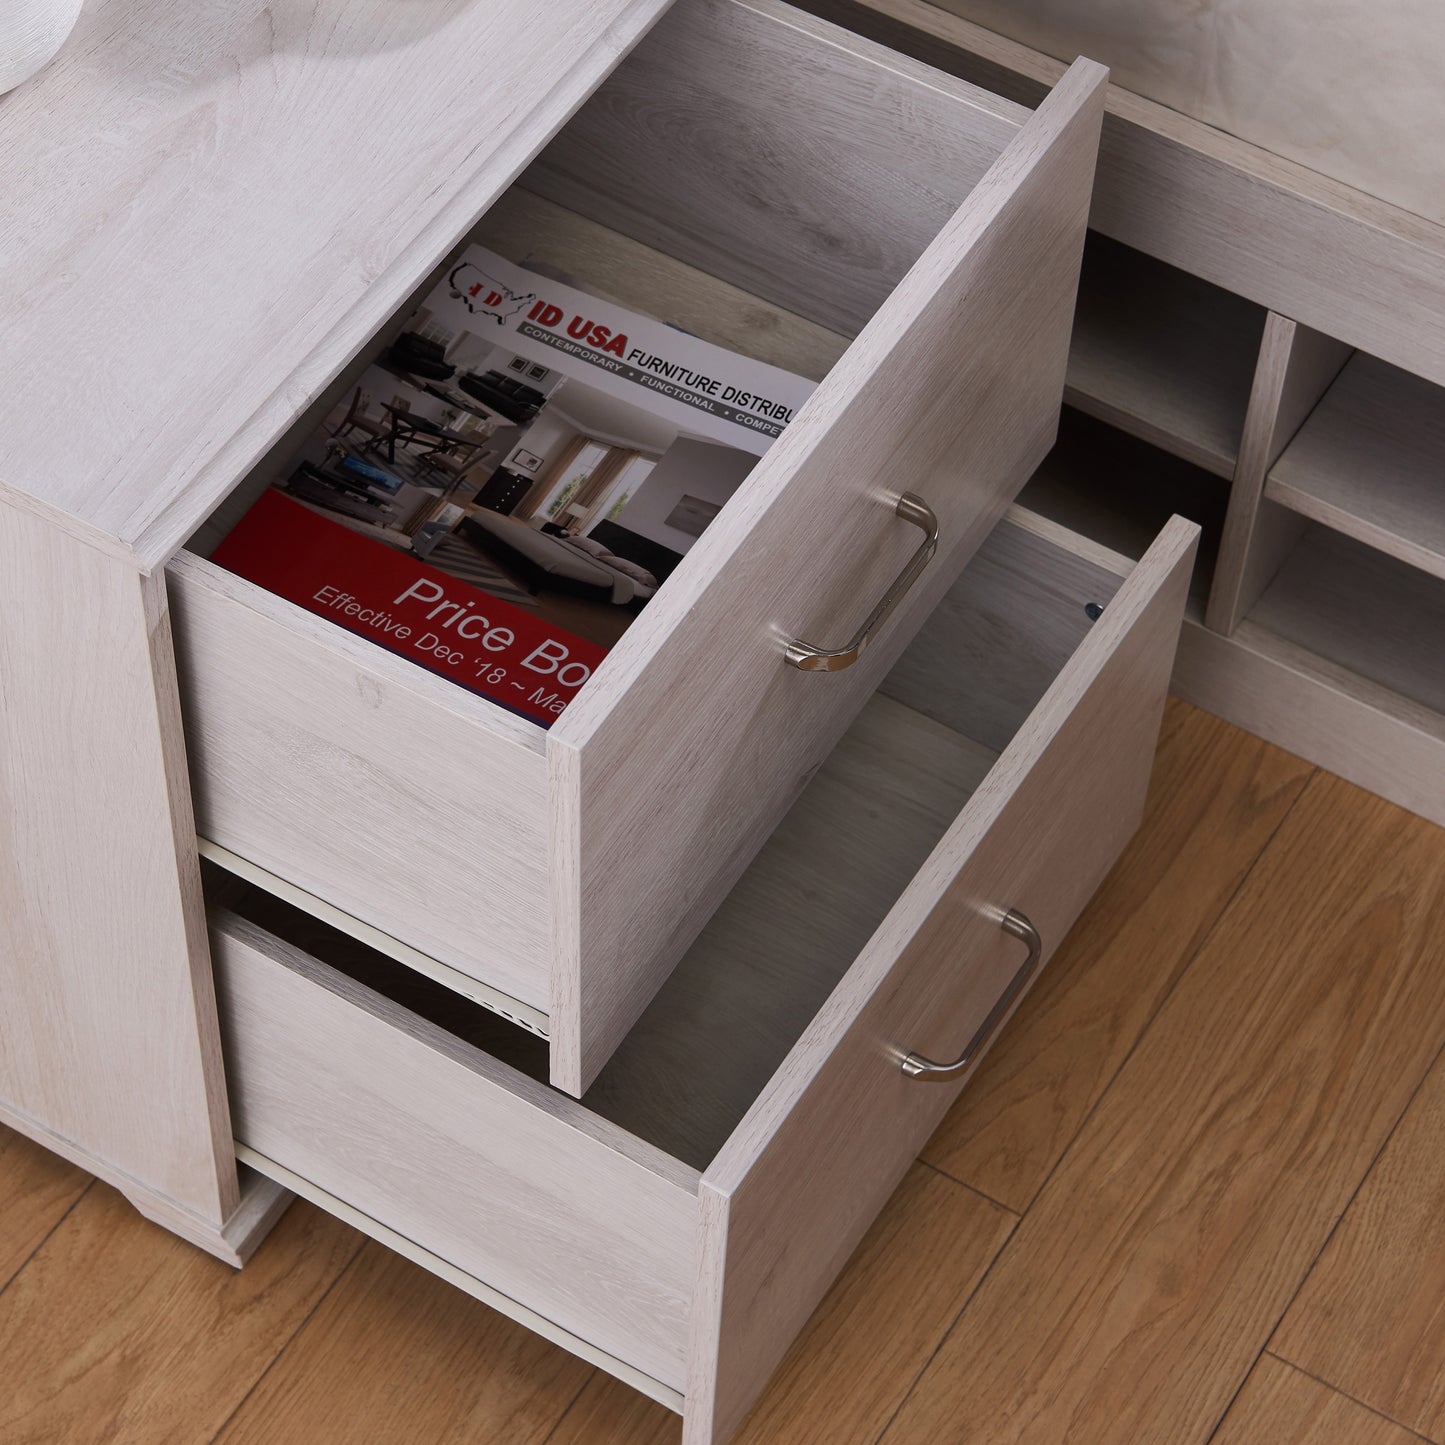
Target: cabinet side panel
{"x": 108, "y": 1033}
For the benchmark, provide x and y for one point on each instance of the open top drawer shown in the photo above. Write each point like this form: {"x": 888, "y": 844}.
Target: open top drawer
{"x": 679, "y": 1223}
{"x": 566, "y": 872}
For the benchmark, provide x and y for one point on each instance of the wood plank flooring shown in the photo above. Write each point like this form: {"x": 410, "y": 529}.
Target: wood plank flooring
{"x": 1195, "y": 1194}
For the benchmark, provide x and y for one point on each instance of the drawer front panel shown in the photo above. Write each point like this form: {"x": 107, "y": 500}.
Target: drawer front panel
{"x": 360, "y": 778}
{"x": 695, "y": 735}
{"x": 792, "y": 1192}
{"x": 465, "y": 1157}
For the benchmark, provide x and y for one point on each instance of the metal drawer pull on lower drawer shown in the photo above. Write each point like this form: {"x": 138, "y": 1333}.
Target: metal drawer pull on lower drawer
{"x": 820, "y": 659}
{"x": 917, "y": 1067}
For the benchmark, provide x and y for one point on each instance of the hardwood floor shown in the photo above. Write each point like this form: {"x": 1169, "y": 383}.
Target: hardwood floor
{"x": 1194, "y": 1194}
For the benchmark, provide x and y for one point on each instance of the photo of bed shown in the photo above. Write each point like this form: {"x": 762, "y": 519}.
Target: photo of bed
{"x": 580, "y": 566}
{"x": 535, "y": 487}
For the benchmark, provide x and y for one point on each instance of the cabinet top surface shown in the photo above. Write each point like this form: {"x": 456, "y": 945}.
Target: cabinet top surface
{"x": 208, "y": 207}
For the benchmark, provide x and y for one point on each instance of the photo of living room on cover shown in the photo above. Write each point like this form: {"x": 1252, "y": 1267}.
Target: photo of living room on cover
{"x": 535, "y": 487}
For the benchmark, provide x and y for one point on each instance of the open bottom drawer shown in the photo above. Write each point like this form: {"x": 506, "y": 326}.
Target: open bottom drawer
{"x": 938, "y": 225}
{"x": 685, "y": 1217}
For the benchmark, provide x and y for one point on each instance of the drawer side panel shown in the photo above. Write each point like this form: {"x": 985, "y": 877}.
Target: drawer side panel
{"x": 363, "y": 779}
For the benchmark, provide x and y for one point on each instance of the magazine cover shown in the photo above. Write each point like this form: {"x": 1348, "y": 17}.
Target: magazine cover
{"x": 512, "y": 480}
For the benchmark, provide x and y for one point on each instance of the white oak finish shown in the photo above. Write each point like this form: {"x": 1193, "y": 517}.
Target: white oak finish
{"x": 1266, "y": 228}
{"x": 504, "y": 1005}
{"x": 992, "y": 647}
{"x": 363, "y": 793}
{"x": 537, "y": 232}
{"x": 777, "y": 153}
{"x": 1370, "y": 462}
{"x": 107, "y": 1029}
{"x": 795, "y": 1187}
{"x": 1162, "y": 355}
{"x": 459, "y": 1279}
{"x": 953, "y": 386}
{"x": 360, "y": 778}
{"x": 237, "y": 282}
{"x": 692, "y": 1065}
{"x": 1363, "y": 611}
{"x": 1356, "y": 99}
{"x": 1296, "y": 366}
{"x": 260, "y": 1201}
{"x": 508, "y": 1181}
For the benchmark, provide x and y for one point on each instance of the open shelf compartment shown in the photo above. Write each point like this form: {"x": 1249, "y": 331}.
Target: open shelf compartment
{"x": 1370, "y": 462}
{"x": 1163, "y": 355}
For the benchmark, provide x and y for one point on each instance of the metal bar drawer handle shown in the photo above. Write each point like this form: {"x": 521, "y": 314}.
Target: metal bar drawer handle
{"x": 917, "y": 1067}
{"x": 821, "y": 659}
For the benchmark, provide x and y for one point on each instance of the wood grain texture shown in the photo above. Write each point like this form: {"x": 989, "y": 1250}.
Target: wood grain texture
{"x": 522, "y": 1188}
{"x": 391, "y": 794}
{"x": 116, "y": 1331}
{"x": 863, "y": 1347}
{"x": 801, "y": 1178}
{"x": 1270, "y": 77}
{"x": 1002, "y": 633}
{"x": 109, "y": 1014}
{"x": 1280, "y": 1406}
{"x": 1370, "y": 462}
{"x": 1296, "y": 366}
{"x": 1215, "y": 799}
{"x": 395, "y": 1354}
{"x": 261, "y": 1205}
{"x": 1146, "y": 1278}
{"x": 539, "y": 233}
{"x": 1162, "y": 355}
{"x": 1302, "y": 701}
{"x": 36, "y": 1189}
{"x": 668, "y": 152}
{"x": 1263, "y": 227}
{"x": 954, "y": 385}
{"x": 1370, "y": 1319}
{"x": 232, "y": 302}
{"x": 736, "y": 1003}
{"x": 1377, "y": 617}
{"x": 1102, "y": 483}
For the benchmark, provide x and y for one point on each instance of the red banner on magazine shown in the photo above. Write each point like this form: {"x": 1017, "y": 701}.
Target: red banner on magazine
{"x": 454, "y": 629}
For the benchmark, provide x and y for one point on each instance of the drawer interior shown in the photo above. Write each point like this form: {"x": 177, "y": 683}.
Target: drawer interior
{"x": 1112, "y": 486}
{"x": 685, "y": 1076}
{"x": 704, "y": 185}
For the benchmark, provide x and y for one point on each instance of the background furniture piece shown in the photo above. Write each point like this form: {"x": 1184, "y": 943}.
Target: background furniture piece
{"x": 31, "y": 31}
{"x": 623, "y": 542}
{"x": 503, "y": 491}
{"x": 1356, "y": 100}
{"x": 1271, "y": 327}
{"x": 419, "y": 356}
{"x": 357, "y": 417}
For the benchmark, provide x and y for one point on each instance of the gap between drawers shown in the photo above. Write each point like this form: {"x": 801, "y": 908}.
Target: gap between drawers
{"x": 493, "y": 999}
